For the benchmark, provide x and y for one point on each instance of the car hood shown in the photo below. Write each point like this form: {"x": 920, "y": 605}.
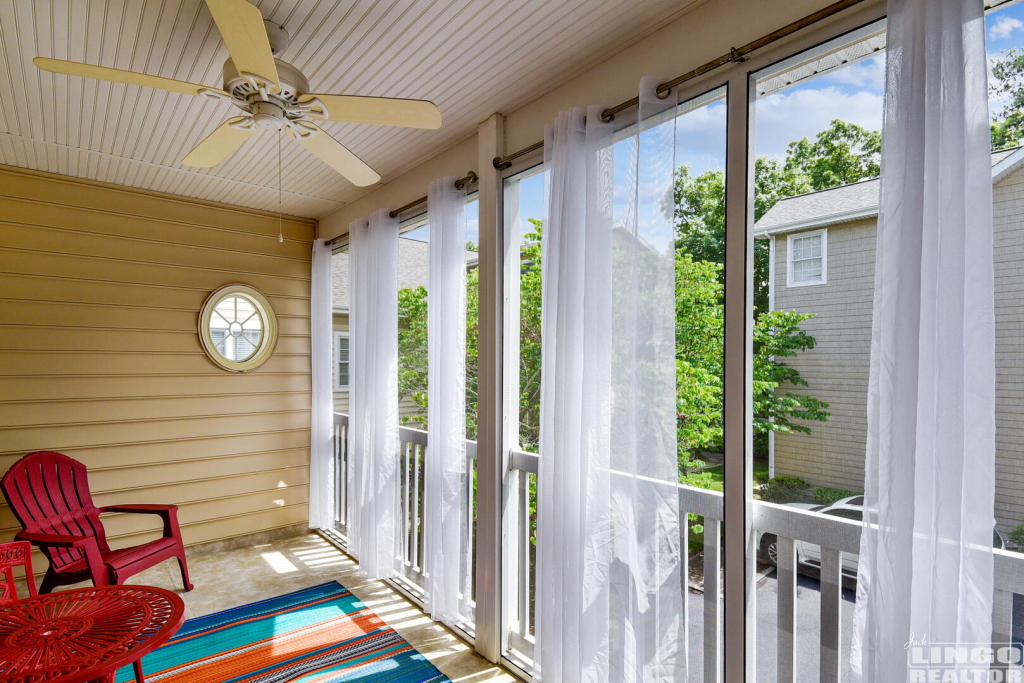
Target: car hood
{"x": 803, "y": 506}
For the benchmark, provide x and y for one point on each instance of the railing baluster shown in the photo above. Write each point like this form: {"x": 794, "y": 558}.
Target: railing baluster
{"x": 786, "y": 573}
{"x": 831, "y": 614}
{"x": 524, "y": 553}
{"x": 1002, "y": 620}
{"x": 406, "y": 526}
{"x": 345, "y": 474}
{"x": 414, "y": 491}
{"x": 712, "y": 600}
{"x": 471, "y": 535}
{"x": 685, "y": 570}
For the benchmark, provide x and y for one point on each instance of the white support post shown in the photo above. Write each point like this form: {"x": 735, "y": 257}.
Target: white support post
{"x": 739, "y": 614}
{"x": 515, "y": 507}
{"x": 491, "y": 453}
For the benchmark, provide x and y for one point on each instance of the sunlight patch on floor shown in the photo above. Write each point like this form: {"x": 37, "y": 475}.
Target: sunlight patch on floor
{"x": 278, "y": 562}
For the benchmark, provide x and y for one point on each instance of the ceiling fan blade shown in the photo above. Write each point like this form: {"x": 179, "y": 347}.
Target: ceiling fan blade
{"x": 60, "y": 66}
{"x": 218, "y": 145}
{"x": 384, "y": 111}
{"x": 241, "y": 26}
{"x": 335, "y": 155}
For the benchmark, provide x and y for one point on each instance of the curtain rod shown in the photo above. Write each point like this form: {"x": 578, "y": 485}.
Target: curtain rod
{"x": 459, "y": 184}
{"x": 469, "y": 179}
{"x": 736, "y": 54}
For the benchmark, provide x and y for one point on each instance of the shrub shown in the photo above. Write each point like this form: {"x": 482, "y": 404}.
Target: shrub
{"x": 782, "y": 489}
{"x": 827, "y": 496}
{"x": 1017, "y": 537}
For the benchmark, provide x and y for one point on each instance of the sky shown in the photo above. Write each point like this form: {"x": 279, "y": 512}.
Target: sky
{"x": 853, "y": 93}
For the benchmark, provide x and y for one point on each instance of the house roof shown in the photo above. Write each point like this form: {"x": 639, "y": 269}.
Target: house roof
{"x": 852, "y": 202}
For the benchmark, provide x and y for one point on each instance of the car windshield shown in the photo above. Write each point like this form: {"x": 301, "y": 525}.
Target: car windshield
{"x": 845, "y": 514}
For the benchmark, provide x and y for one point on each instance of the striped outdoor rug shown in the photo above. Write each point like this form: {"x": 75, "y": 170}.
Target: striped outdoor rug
{"x": 322, "y": 634}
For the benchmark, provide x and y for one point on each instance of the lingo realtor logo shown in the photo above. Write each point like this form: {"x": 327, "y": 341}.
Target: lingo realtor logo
{"x": 963, "y": 662}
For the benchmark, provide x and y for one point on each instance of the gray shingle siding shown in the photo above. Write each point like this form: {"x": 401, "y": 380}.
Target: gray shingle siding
{"x": 837, "y": 368}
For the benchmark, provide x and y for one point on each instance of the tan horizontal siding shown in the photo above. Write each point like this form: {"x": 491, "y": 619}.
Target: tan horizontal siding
{"x": 188, "y": 448}
{"x": 100, "y": 291}
{"x": 56, "y": 388}
{"x": 76, "y": 267}
{"x": 26, "y": 338}
{"x": 86, "y": 292}
{"x": 64, "y": 314}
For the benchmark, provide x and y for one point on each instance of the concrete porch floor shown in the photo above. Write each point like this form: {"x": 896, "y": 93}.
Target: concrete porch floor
{"x": 229, "y": 578}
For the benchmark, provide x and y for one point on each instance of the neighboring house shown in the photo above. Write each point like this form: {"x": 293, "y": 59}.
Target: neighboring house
{"x": 823, "y": 253}
{"x": 413, "y": 271}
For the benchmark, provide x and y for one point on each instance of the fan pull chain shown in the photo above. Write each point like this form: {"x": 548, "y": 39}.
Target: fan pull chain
{"x": 280, "y": 190}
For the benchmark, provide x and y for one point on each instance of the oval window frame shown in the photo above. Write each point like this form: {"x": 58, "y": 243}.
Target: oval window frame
{"x": 268, "y": 340}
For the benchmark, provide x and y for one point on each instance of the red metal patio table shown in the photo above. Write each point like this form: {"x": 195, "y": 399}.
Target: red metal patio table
{"x": 85, "y": 634}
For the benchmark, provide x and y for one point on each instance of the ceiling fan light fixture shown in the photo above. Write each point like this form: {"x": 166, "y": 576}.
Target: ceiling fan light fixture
{"x": 268, "y": 115}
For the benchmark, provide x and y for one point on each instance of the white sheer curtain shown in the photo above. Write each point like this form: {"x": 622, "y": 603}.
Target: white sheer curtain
{"x": 373, "y": 516}
{"x": 609, "y": 570}
{"x": 926, "y": 569}
{"x": 446, "y": 539}
{"x": 321, "y": 441}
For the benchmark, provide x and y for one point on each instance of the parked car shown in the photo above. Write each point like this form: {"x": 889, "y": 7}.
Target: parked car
{"x": 808, "y": 555}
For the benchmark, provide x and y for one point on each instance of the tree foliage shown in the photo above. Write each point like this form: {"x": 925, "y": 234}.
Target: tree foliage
{"x": 412, "y": 350}
{"x": 529, "y": 338}
{"x": 699, "y": 357}
{"x": 840, "y": 154}
{"x": 1008, "y": 83}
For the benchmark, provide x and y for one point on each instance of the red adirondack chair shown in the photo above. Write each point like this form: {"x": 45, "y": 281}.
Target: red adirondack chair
{"x": 15, "y": 554}
{"x": 49, "y": 494}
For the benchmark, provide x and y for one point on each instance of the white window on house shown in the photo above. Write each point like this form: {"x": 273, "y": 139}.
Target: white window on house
{"x": 807, "y": 258}
{"x": 341, "y": 361}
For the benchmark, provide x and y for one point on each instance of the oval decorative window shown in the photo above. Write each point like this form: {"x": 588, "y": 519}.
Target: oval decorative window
{"x": 238, "y": 328}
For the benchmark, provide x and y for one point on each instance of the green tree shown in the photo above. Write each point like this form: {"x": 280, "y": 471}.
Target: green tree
{"x": 530, "y": 298}
{"x": 699, "y": 329}
{"x": 699, "y": 355}
{"x": 700, "y": 214}
{"x": 412, "y": 350}
{"x": 842, "y": 153}
{"x": 1008, "y": 82}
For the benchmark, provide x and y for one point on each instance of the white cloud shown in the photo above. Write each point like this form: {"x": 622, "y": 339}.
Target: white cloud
{"x": 868, "y": 74}
{"x": 788, "y": 116}
{"x": 1004, "y": 28}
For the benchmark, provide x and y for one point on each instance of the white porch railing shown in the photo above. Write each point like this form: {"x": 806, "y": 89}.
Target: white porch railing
{"x": 413, "y": 449}
{"x": 833, "y": 535}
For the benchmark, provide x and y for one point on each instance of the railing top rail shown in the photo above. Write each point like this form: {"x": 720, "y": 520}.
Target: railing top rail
{"x": 808, "y": 526}
{"x": 410, "y": 435}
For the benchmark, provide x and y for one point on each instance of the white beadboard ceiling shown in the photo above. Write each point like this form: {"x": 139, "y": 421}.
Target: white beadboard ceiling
{"x": 471, "y": 57}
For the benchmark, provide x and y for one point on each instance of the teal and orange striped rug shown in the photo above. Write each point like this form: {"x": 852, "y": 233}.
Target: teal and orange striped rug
{"x": 322, "y": 634}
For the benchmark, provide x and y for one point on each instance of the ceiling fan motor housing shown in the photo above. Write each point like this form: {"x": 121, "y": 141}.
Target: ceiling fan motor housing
{"x": 293, "y": 83}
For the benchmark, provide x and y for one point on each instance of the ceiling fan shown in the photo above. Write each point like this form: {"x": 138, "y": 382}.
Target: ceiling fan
{"x": 273, "y": 95}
